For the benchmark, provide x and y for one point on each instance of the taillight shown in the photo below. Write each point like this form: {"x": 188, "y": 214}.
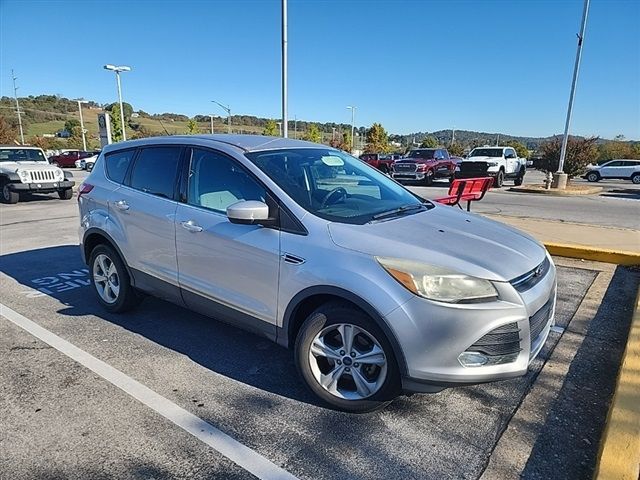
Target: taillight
{"x": 84, "y": 188}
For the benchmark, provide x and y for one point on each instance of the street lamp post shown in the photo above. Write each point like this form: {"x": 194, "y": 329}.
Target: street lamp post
{"x": 279, "y": 127}
{"x": 353, "y": 120}
{"x": 228, "y": 110}
{"x": 121, "y": 68}
{"x": 84, "y": 138}
{"x": 211, "y": 118}
{"x": 560, "y": 178}
{"x": 285, "y": 42}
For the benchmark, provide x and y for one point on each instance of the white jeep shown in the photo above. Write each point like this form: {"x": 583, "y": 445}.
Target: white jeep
{"x": 498, "y": 162}
{"x": 27, "y": 170}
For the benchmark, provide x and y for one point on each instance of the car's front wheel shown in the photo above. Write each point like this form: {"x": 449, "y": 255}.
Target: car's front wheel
{"x": 346, "y": 359}
{"x": 8, "y": 195}
{"x": 593, "y": 176}
{"x": 428, "y": 178}
{"x": 65, "y": 193}
{"x": 110, "y": 280}
{"x": 500, "y": 179}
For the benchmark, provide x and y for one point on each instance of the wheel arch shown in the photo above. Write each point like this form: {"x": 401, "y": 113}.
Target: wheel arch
{"x": 94, "y": 237}
{"x": 306, "y": 301}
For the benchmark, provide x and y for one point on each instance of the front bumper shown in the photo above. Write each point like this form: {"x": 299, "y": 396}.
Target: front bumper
{"x": 41, "y": 187}
{"x": 433, "y": 335}
{"x": 487, "y": 173}
{"x": 409, "y": 175}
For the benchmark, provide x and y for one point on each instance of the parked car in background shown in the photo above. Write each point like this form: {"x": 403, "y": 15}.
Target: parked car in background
{"x": 424, "y": 164}
{"x": 498, "y": 162}
{"x": 69, "y": 158}
{"x": 621, "y": 169}
{"x": 26, "y": 170}
{"x": 380, "y": 161}
{"x": 89, "y": 162}
{"x": 378, "y": 291}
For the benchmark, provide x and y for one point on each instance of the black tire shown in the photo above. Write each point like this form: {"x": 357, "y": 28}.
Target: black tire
{"x": 65, "y": 194}
{"x": 127, "y": 297}
{"x": 635, "y": 178}
{"x": 593, "y": 177}
{"x": 336, "y": 313}
{"x": 89, "y": 167}
{"x": 520, "y": 178}
{"x": 384, "y": 169}
{"x": 9, "y": 196}
{"x": 499, "y": 179}
{"x": 428, "y": 178}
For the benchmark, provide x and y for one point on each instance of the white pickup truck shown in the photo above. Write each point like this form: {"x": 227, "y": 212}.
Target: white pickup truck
{"x": 498, "y": 162}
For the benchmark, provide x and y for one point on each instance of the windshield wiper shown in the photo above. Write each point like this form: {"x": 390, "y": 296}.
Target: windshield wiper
{"x": 399, "y": 211}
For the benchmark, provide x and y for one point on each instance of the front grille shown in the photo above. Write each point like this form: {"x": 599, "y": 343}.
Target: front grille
{"x": 404, "y": 167}
{"x": 42, "y": 175}
{"x": 532, "y": 277}
{"x": 539, "y": 320}
{"x": 504, "y": 340}
{"x": 473, "y": 167}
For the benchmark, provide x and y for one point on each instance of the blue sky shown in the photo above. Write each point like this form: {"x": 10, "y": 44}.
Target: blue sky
{"x": 495, "y": 66}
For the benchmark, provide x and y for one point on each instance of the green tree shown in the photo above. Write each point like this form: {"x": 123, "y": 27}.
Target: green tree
{"x": 520, "y": 148}
{"x": 192, "y": 127}
{"x": 456, "y": 149}
{"x": 116, "y": 124}
{"x": 75, "y": 140}
{"x": 313, "y": 134}
{"x": 429, "y": 142}
{"x": 377, "y": 140}
{"x": 617, "y": 149}
{"x": 70, "y": 124}
{"x": 128, "y": 109}
{"x": 270, "y": 129}
{"x": 580, "y": 153}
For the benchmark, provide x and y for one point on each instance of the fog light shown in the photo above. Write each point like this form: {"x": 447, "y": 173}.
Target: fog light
{"x": 472, "y": 359}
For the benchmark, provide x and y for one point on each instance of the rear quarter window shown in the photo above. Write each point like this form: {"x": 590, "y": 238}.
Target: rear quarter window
{"x": 117, "y": 164}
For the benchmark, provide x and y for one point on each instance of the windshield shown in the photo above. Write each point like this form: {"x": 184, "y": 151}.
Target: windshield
{"x": 486, "y": 152}
{"x": 336, "y": 186}
{"x": 21, "y": 155}
{"x": 422, "y": 153}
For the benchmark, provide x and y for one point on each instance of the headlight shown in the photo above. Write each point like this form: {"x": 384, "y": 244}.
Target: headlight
{"x": 492, "y": 164}
{"x": 437, "y": 283}
{"x": 457, "y": 168}
{"x": 23, "y": 174}
{"x": 59, "y": 175}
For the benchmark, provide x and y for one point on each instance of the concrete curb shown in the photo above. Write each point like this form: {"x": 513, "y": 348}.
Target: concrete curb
{"x": 556, "y": 192}
{"x": 619, "y": 257}
{"x": 619, "y": 457}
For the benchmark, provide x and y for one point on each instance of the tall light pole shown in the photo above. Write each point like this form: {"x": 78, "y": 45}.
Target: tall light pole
{"x": 84, "y": 138}
{"x": 285, "y": 115}
{"x": 279, "y": 127}
{"x": 15, "y": 94}
{"x": 121, "y": 68}
{"x": 211, "y": 118}
{"x": 353, "y": 124}
{"x": 295, "y": 127}
{"x": 560, "y": 178}
{"x": 228, "y": 110}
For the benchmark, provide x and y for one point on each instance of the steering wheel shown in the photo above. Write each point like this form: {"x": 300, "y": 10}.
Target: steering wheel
{"x": 338, "y": 190}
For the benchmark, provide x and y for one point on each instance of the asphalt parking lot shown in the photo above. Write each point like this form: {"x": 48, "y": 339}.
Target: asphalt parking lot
{"x": 62, "y": 420}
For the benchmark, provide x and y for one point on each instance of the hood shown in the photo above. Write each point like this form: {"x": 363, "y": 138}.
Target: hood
{"x": 414, "y": 160}
{"x": 482, "y": 159}
{"x": 447, "y": 237}
{"x": 26, "y": 165}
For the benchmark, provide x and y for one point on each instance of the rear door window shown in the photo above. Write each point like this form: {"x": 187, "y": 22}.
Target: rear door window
{"x": 117, "y": 164}
{"x": 155, "y": 171}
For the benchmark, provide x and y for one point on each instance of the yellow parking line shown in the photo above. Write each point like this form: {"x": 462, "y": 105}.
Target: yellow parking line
{"x": 619, "y": 457}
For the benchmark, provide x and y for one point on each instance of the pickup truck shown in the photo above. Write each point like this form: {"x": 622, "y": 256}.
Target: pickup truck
{"x": 380, "y": 161}
{"x": 498, "y": 162}
{"x": 425, "y": 165}
{"x": 69, "y": 158}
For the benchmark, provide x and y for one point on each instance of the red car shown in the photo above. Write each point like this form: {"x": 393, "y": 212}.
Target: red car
{"x": 68, "y": 158}
{"x": 378, "y": 160}
{"x": 425, "y": 164}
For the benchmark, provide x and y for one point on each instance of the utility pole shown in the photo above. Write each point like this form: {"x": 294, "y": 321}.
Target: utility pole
{"x": 353, "y": 123}
{"x": 453, "y": 136}
{"x": 285, "y": 118}
{"x": 117, "y": 70}
{"x": 295, "y": 127}
{"x": 279, "y": 127}
{"x": 84, "y": 138}
{"x": 15, "y": 94}
{"x": 560, "y": 178}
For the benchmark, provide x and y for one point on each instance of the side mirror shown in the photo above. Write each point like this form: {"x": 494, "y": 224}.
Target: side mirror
{"x": 249, "y": 212}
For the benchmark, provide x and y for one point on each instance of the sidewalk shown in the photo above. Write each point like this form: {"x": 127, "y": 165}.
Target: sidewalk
{"x": 622, "y": 242}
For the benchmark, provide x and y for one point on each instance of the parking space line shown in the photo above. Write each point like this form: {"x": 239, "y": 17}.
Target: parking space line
{"x": 235, "y": 451}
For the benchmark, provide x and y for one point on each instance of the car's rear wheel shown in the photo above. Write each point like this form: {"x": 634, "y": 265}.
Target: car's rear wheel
{"x": 65, "y": 194}
{"x": 593, "y": 176}
{"x": 9, "y": 196}
{"x": 111, "y": 281}
{"x": 346, "y": 360}
{"x": 635, "y": 178}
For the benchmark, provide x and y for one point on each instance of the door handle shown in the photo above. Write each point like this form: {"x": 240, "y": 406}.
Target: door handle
{"x": 191, "y": 226}
{"x": 122, "y": 205}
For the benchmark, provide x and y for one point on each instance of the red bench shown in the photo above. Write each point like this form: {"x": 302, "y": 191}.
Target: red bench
{"x": 468, "y": 190}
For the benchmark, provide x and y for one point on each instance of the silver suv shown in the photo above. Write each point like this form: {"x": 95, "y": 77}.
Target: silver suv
{"x": 377, "y": 290}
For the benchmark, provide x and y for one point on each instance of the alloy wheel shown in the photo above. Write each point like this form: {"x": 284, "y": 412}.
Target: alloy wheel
{"x": 106, "y": 278}
{"x": 347, "y": 361}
